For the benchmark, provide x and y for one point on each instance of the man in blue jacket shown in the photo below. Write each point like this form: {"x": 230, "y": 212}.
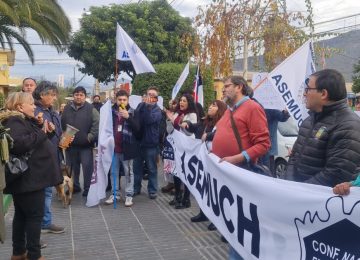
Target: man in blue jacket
{"x": 149, "y": 117}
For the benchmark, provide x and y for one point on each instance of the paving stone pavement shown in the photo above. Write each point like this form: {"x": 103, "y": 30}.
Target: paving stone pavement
{"x": 149, "y": 230}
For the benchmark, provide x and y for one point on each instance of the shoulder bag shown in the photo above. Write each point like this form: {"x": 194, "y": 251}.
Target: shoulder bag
{"x": 258, "y": 167}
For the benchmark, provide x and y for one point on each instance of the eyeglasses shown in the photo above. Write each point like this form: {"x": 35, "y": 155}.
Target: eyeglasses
{"x": 307, "y": 89}
{"x": 122, "y": 99}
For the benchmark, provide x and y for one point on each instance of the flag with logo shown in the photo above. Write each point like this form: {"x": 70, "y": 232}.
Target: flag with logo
{"x": 180, "y": 81}
{"x": 289, "y": 77}
{"x": 198, "y": 88}
{"x": 105, "y": 151}
{"x": 127, "y": 50}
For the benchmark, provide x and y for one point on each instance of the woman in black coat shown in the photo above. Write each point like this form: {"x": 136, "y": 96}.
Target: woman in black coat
{"x": 205, "y": 130}
{"x": 27, "y": 188}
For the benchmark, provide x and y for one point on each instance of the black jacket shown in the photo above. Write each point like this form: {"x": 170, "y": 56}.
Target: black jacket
{"x": 327, "y": 150}
{"x": 86, "y": 119}
{"x": 199, "y": 129}
{"x": 44, "y": 170}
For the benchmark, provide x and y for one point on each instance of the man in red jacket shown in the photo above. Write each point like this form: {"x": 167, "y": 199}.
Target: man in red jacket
{"x": 251, "y": 124}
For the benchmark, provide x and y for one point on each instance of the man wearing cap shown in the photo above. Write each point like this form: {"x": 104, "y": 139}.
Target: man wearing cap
{"x": 83, "y": 116}
{"x": 97, "y": 102}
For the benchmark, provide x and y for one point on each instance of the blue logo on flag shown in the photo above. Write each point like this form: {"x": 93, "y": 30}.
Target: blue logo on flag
{"x": 125, "y": 55}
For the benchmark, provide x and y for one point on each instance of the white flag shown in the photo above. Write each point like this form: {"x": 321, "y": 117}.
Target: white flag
{"x": 105, "y": 151}
{"x": 289, "y": 80}
{"x": 180, "y": 81}
{"x": 127, "y": 50}
{"x": 265, "y": 93}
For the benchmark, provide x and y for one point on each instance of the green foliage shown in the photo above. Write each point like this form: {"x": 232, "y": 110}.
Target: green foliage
{"x": 166, "y": 77}
{"x": 159, "y": 31}
{"x": 46, "y": 17}
{"x": 356, "y": 78}
{"x": 2, "y": 100}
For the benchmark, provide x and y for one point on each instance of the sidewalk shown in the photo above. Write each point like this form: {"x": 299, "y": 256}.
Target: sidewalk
{"x": 150, "y": 229}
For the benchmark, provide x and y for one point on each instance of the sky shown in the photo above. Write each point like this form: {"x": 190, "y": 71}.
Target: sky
{"x": 49, "y": 63}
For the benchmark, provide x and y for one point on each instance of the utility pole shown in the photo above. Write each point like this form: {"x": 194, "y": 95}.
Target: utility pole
{"x": 97, "y": 87}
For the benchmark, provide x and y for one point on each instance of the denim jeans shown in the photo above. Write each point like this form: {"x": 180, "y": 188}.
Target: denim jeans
{"x": 26, "y": 226}
{"x": 149, "y": 155}
{"x": 84, "y": 156}
{"x": 233, "y": 255}
{"x": 47, "y": 219}
{"x": 128, "y": 170}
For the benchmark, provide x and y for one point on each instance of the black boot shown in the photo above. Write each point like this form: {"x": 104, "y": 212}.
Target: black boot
{"x": 185, "y": 203}
{"x": 178, "y": 201}
{"x": 211, "y": 227}
{"x": 199, "y": 217}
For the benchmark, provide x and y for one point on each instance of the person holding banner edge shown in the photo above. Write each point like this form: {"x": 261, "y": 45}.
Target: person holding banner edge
{"x": 250, "y": 120}
{"x": 205, "y": 130}
{"x": 185, "y": 112}
{"x": 327, "y": 150}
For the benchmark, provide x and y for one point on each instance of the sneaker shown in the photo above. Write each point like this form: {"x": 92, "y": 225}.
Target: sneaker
{"x": 43, "y": 244}
{"x": 110, "y": 200}
{"x": 152, "y": 196}
{"x": 128, "y": 201}
{"x": 53, "y": 229}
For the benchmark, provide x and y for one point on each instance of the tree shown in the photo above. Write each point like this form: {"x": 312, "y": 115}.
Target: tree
{"x": 279, "y": 37}
{"x": 46, "y": 17}
{"x": 230, "y": 29}
{"x": 159, "y": 31}
{"x": 356, "y": 78}
{"x": 165, "y": 78}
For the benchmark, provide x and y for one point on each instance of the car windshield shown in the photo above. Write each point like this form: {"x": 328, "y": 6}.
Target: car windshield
{"x": 288, "y": 128}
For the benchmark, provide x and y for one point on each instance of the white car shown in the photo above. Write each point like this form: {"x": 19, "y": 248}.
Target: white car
{"x": 286, "y": 136}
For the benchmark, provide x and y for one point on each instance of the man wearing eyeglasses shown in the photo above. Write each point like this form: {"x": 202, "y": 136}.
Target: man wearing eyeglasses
{"x": 327, "y": 150}
{"x": 250, "y": 122}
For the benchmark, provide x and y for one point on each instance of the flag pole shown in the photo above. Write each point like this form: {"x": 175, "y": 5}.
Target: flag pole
{"x": 114, "y": 179}
{"x": 116, "y": 76}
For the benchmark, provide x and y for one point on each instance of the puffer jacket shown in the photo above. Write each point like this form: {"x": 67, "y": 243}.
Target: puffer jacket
{"x": 44, "y": 170}
{"x": 327, "y": 150}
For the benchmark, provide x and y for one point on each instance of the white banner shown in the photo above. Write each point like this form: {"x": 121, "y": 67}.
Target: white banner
{"x": 180, "y": 81}
{"x": 127, "y": 50}
{"x": 289, "y": 80}
{"x": 357, "y": 112}
{"x": 105, "y": 151}
{"x": 135, "y": 100}
{"x": 267, "y": 218}
{"x": 265, "y": 93}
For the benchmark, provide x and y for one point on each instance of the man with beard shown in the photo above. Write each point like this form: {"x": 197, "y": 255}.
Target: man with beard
{"x": 83, "y": 116}
{"x": 249, "y": 119}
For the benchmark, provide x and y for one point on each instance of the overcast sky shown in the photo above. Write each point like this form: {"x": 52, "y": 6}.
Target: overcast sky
{"x": 323, "y": 10}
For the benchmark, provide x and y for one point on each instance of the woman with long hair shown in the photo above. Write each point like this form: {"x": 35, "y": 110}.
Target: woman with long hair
{"x": 27, "y": 188}
{"x": 205, "y": 130}
{"x": 185, "y": 112}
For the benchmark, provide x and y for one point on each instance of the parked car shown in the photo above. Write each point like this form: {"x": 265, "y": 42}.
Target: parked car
{"x": 286, "y": 136}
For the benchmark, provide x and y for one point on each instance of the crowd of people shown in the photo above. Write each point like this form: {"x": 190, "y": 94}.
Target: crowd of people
{"x": 237, "y": 129}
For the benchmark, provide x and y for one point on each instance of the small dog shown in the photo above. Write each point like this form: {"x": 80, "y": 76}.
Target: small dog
{"x": 65, "y": 189}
